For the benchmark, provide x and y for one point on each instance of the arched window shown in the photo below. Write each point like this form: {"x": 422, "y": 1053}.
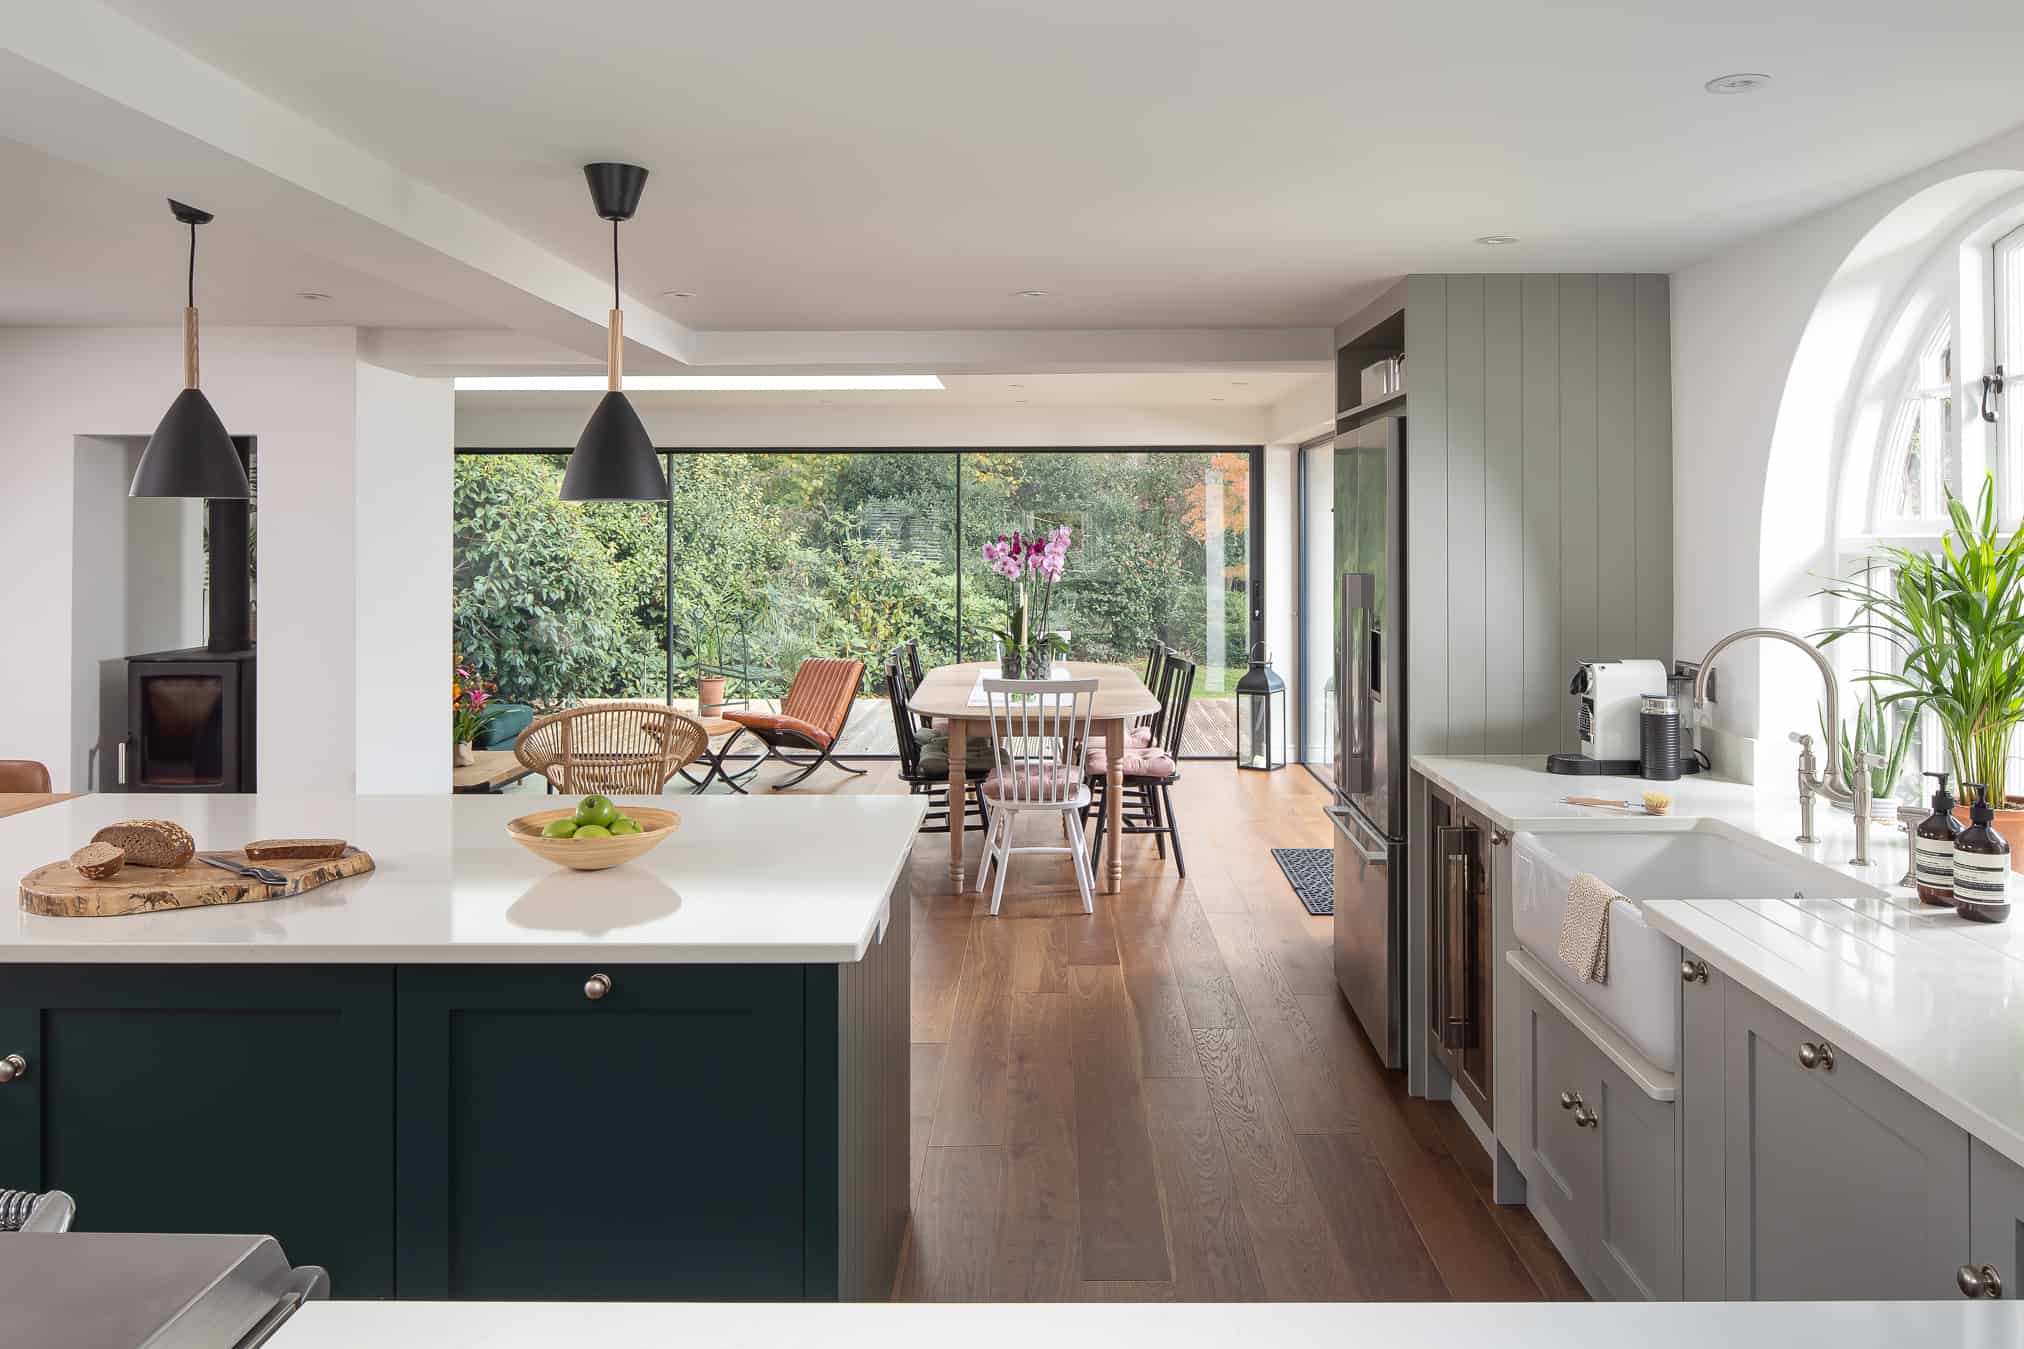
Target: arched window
{"x": 1913, "y": 428}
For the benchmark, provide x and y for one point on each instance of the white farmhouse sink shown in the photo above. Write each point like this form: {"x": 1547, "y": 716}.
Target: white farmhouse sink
{"x": 1703, "y": 860}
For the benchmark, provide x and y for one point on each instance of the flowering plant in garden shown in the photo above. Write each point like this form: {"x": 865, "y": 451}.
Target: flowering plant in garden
{"x": 1025, "y": 562}
{"x": 470, "y": 699}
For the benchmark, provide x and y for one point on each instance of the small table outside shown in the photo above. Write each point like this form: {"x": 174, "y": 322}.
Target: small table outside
{"x": 488, "y": 771}
{"x": 1121, "y": 697}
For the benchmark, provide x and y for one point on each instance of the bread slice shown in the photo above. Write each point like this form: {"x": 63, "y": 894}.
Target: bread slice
{"x": 294, "y": 849}
{"x": 150, "y": 843}
{"x": 98, "y": 861}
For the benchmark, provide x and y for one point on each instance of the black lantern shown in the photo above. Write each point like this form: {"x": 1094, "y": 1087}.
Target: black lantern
{"x": 1261, "y": 715}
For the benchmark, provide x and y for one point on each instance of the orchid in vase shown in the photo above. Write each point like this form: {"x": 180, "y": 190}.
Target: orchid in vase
{"x": 470, "y": 709}
{"x": 1027, "y": 647}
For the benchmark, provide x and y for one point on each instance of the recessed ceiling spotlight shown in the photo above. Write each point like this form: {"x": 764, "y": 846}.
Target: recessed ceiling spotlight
{"x": 1015, "y": 386}
{"x": 1029, "y": 294}
{"x": 314, "y": 296}
{"x": 1217, "y": 398}
{"x": 1743, "y": 83}
{"x": 1025, "y": 400}
{"x": 1239, "y": 383}
{"x": 1496, "y": 240}
{"x": 679, "y": 294}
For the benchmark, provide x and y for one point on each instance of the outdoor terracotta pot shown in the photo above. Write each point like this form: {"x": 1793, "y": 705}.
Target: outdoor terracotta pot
{"x": 710, "y": 693}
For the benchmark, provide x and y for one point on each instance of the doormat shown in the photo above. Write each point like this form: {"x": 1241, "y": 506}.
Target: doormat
{"x": 1311, "y": 872}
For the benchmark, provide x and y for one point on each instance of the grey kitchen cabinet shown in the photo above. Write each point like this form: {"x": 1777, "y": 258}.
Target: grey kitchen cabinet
{"x": 1704, "y": 1132}
{"x": 1996, "y": 1251}
{"x": 1600, "y": 1159}
{"x": 1838, "y": 1183}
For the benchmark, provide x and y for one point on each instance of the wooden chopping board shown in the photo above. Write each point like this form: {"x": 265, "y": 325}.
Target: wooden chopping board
{"x": 59, "y": 891}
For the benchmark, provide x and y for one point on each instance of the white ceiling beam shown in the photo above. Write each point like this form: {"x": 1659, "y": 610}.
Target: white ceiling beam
{"x": 84, "y": 83}
{"x": 1031, "y": 350}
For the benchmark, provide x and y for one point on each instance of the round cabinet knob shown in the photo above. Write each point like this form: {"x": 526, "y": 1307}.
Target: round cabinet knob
{"x": 1584, "y": 1118}
{"x": 13, "y": 1066}
{"x": 1693, "y": 971}
{"x": 1568, "y": 1100}
{"x": 1979, "y": 1281}
{"x": 1819, "y": 1056}
{"x": 596, "y": 987}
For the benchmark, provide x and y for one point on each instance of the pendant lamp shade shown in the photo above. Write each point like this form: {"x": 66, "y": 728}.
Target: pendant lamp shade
{"x": 614, "y": 458}
{"x": 189, "y": 455}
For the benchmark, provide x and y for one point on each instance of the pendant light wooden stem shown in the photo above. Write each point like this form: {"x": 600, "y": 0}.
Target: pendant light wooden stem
{"x": 190, "y": 347}
{"x": 614, "y": 351}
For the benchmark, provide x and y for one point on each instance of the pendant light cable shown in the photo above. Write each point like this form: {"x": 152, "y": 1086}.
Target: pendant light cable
{"x": 614, "y": 264}
{"x": 191, "y": 302}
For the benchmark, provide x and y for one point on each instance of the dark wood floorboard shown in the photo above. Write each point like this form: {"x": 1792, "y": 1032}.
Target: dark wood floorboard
{"x": 1169, "y": 1100}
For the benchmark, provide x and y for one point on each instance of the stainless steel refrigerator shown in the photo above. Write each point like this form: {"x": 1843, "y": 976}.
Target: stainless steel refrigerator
{"x": 1369, "y": 810}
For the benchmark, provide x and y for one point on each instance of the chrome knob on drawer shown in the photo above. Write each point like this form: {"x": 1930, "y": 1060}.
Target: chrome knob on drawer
{"x": 596, "y": 987}
{"x": 1584, "y": 1118}
{"x": 1693, "y": 971}
{"x": 13, "y": 1066}
{"x": 1819, "y": 1056}
{"x": 1568, "y": 1100}
{"x": 1979, "y": 1281}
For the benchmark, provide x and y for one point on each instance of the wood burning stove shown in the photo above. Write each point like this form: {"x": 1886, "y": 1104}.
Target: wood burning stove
{"x": 190, "y": 713}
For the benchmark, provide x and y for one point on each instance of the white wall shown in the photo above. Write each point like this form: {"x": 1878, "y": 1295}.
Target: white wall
{"x": 296, "y": 390}
{"x": 1766, "y": 337}
{"x": 403, "y": 543}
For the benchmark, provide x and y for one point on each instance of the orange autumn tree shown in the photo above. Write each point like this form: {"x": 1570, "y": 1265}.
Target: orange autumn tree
{"x": 1234, "y": 468}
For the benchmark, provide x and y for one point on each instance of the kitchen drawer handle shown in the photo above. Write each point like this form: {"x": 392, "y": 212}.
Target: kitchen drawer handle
{"x": 1819, "y": 1056}
{"x": 1584, "y": 1118}
{"x": 1693, "y": 971}
{"x": 596, "y": 987}
{"x": 1979, "y": 1281}
{"x": 1569, "y": 1100}
{"x": 13, "y": 1066}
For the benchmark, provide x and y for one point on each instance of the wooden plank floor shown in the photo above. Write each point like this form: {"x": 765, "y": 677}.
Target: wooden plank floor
{"x": 1170, "y": 1099}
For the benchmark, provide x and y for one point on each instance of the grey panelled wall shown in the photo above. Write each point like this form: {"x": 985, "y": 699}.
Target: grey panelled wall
{"x": 1539, "y": 498}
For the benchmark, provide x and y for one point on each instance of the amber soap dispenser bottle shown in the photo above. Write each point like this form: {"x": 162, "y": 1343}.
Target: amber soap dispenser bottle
{"x": 1933, "y": 848}
{"x": 1981, "y": 864}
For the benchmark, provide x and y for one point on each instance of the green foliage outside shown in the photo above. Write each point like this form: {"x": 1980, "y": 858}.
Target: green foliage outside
{"x": 780, "y": 556}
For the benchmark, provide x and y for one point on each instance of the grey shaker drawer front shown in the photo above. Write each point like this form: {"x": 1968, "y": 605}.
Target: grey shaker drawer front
{"x": 1636, "y": 1252}
{"x": 1839, "y": 1184}
{"x": 1560, "y": 1160}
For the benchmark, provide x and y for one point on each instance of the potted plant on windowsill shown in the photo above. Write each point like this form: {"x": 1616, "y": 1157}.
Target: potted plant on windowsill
{"x": 1873, "y": 734}
{"x": 1956, "y": 620}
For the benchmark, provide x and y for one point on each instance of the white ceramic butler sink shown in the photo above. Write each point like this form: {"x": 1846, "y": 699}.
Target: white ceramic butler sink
{"x": 1700, "y": 859}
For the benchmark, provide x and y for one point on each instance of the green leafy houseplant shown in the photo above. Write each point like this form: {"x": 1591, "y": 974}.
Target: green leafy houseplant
{"x": 1872, "y": 734}
{"x": 1956, "y": 621}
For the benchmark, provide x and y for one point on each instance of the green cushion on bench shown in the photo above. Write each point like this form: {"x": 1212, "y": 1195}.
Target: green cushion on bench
{"x": 505, "y": 727}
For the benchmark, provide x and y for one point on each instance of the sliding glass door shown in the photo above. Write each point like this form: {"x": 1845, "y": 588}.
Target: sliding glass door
{"x": 765, "y": 558}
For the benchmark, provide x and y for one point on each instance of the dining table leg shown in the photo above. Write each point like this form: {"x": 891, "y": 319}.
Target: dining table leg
{"x": 1113, "y": 805}
{"x": 959, "y": 754}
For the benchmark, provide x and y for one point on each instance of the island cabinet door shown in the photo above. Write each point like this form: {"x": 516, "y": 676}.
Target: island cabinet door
{"x": 601, "y": 1131}
{"x": 1840, "y": 1184}
{"x": 178, "y": 1098}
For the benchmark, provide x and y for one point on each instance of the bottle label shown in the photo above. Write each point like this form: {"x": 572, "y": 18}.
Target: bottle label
{"x": 1933, "y": 862}
{"x": 1981, "y": 878}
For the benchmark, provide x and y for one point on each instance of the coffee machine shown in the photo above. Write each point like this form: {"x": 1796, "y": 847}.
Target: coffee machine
{"x": 1608, "y": 697}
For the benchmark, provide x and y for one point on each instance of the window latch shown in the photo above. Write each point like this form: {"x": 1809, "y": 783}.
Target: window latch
{"x": 1991, "y": 384}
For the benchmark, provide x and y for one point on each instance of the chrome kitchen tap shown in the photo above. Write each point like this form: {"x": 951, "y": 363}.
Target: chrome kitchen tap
{"x": 1830, "y": 784}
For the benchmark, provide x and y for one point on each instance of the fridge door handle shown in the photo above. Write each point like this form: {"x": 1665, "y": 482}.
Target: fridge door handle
{"x": 1352, "y": 680}
{"x": 1353, "y": 830}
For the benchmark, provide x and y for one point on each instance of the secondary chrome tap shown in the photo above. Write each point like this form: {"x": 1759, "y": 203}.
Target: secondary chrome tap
{"x": 1831, "y": 784}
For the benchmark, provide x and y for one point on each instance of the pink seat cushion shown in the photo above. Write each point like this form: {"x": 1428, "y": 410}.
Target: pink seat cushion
{"x": 1149, "y": 763}
{"x": 1034, "y": 781}
{"x": 1138, "y": 737}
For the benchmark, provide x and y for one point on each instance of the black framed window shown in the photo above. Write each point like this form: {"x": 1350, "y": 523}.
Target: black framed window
{"x": 765, "y": 557}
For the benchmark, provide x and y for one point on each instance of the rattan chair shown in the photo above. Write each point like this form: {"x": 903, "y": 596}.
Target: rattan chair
{"x": 613, "y": 748}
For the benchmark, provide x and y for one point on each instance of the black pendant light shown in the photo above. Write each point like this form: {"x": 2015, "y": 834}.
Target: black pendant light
{"x": 189, "y": 455}
{"x": 614, "y": 459}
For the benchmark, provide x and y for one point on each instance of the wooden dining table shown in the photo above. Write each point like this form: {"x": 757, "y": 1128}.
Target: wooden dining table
{"x": 1121, "y": 698}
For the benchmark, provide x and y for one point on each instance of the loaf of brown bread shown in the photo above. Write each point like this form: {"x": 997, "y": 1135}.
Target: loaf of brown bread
{"x": 294, "y": 849}
{"x": 98, "y": 861}
{"x": 150, "y": 843}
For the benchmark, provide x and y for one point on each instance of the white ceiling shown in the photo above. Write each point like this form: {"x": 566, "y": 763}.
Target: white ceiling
{"x": 1238, "y": 390}
{"x": 904, "y": 164}
{"x": 82, "y": 248}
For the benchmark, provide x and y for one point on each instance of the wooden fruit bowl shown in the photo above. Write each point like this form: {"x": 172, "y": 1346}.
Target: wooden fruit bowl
{"x": 593, "y": 854}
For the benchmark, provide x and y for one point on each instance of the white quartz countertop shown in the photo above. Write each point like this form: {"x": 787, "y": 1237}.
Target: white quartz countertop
{"x": 760, "y": 879}
{"x": 1393, "y": 1325}
{"x": 1932, "y": 1002}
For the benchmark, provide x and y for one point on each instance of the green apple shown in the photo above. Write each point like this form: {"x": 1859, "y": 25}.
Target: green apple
{"x": 596, "y": 810}
{"x": 625, "y": 825}
{"x": 592, "y": 831}
{"x": 559, "y": 829}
